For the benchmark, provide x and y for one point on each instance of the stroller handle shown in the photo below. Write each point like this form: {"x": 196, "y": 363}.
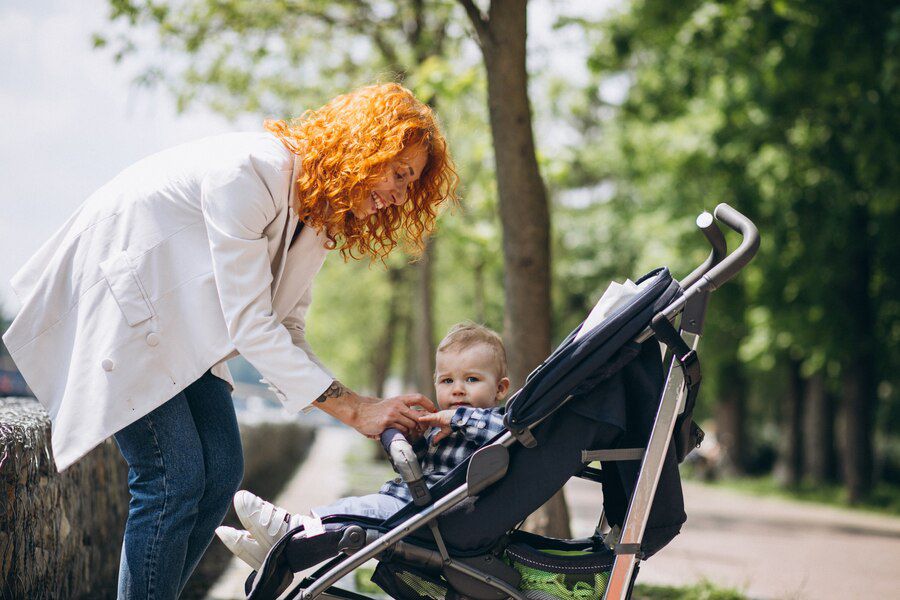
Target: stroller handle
{"x": 406, "y": 463}
{"x": 737, "y": 260}
{"x": 707, "y": 224}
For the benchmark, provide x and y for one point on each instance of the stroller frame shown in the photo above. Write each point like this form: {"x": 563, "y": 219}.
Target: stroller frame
{"x": 489, "y": 463}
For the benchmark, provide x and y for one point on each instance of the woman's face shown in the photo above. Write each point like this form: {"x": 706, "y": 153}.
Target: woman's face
{"x": 398, "y": 175}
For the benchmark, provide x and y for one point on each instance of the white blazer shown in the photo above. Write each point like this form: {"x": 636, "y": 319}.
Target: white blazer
{"x": 174, "y": 266}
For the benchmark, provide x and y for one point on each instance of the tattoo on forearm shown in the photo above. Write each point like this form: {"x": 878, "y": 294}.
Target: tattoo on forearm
{"x": 334, "y": 390}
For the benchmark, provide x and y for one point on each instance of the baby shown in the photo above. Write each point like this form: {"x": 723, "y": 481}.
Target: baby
{"x": 470, "y": 380}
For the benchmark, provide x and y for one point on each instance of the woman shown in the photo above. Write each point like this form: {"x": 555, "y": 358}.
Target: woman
{"x": 192, "y": 256}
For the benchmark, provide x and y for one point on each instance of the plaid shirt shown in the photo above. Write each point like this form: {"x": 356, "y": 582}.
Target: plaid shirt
{"x": 472, "y": 427}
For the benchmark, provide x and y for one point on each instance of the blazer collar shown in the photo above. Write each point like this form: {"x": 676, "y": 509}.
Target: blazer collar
{"x": 300, "y": 262}
{"x": 290, "y": 225}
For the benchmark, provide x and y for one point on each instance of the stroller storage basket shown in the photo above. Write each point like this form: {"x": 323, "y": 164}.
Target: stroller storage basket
{"x": 404, "y": 582}
{"x": 560, "y": 570}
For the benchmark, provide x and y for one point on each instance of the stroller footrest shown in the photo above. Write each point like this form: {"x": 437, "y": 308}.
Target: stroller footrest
{"x": 588, "y": 456}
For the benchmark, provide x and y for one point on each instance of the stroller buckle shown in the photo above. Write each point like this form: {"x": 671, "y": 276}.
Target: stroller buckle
{"x": 525, "y": 437}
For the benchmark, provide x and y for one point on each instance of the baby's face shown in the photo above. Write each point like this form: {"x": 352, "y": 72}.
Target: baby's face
{"x": 468, "y": 377}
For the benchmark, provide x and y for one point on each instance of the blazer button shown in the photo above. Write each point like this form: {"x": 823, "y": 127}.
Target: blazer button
{"x": 107, "y": 364}
{"x": 152, "y": 339}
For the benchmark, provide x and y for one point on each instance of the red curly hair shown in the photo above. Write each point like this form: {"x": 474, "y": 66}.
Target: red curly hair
{"x": 344, "y": 148}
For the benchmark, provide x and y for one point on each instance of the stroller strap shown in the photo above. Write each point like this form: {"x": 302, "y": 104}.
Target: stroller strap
{"x": 588, "y": 456}
{"x": 687, "y": 434}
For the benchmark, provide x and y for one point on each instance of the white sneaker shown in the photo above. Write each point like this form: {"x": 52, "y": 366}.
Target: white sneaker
{"x": 266, "y": 522}
{"x": 242, "y": 545}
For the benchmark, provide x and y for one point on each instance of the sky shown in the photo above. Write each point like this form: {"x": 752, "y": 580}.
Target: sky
{"x": 71, "y": 119}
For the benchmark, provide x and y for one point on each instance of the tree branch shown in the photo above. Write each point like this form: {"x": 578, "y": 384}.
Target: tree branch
{"x": 388, "y": 50}
{"x": 479, "y": 22}
{"x": 440, "y": 35}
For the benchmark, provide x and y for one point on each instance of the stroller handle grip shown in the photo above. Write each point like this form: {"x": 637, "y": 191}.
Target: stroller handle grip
{"x": 406, "y": 463}
{"x": 714, "y": 235}
{"x": 707, "y": 224}
{"x": 389, "y": 436}
{"x": 737, "y": 260}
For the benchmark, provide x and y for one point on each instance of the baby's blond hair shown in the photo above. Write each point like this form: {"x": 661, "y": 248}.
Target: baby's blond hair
{"x": 467, "y": 334}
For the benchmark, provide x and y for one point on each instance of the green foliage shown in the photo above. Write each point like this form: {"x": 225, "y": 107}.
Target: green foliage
{"x": 704, "y": 590}
{"x": 789, "y": 112}
{"x": 280, "y": 58}
{"x": 884, "y": 498}
{"x": 362, "y": 579}
{"x": 349, "y": 307}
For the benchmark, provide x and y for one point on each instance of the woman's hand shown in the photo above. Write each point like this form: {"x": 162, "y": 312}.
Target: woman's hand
{"x": 371, "y": 416}
{"x": 374, "y": 416}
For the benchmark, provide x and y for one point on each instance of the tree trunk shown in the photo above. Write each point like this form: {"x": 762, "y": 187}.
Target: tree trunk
{"x": 857, "y": 370}
{"x": 552, "y": 519}
{"x": 478, "y": 296}
{"x": 407, "y": 328}
{"x": 384, "y": 349}
{"x": 818, "y": 431}
{"x": 725, "y": 338}
{"x": 524, "y": 212}
{"x": 790, "y": 461}
{"x": 730, "y": 422}
{"x": 856, "y": 384}
{"x": 423, "y": 340}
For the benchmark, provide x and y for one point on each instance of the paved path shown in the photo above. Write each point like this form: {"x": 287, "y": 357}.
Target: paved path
{"x": 767, "y": 548}
{"x": 320, "y": 480}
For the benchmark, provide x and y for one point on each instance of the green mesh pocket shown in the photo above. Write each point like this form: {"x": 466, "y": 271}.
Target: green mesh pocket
{"x": 408, "y": 583}
{"x": 560, "y": 574}
{"x": 423, "y": 587}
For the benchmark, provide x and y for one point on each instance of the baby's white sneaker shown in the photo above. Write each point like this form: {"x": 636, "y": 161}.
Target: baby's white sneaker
{"x": 242, "y": 545}
{"x": 266, "y": 522}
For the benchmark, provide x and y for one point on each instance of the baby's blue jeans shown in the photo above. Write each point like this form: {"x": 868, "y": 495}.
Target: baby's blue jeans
{"x": 184, "y": 465}
{"x": 376, "y": 506}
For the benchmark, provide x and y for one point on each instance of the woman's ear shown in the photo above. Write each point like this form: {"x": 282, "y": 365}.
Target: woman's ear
{"x": 502, "y": 388}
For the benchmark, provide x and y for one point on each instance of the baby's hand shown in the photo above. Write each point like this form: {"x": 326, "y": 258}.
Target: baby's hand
{"x": 438, "y": 419}
{"x": 414, "y": 435}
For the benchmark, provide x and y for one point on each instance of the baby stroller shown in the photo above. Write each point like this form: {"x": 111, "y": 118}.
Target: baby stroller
{"x": 601, "y": 397}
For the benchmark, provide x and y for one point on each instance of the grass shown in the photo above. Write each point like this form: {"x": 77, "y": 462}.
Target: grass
{"x": 361, "y": 577}
{"x": 704, "y": 590}
{"x": 884, "y": 499}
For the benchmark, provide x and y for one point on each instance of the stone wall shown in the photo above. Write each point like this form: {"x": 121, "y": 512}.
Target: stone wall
{"x": 60, "y": 534}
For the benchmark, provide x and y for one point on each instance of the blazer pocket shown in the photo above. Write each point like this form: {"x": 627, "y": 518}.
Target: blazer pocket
{"x": 126, "y": 288}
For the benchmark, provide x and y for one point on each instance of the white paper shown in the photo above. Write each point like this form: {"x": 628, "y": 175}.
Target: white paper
{"x": 615, "y": 296}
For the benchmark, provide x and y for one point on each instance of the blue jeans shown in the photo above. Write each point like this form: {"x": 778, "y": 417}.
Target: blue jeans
{"x": 184, "y": 465}
{"x": 376, "y": 506}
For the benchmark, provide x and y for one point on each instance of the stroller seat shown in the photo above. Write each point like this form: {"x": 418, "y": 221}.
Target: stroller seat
{"x": 600, "y": 396}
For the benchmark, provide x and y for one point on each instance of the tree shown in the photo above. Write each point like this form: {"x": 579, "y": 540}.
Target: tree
{"x": 788, "y": 110}
{"x": 524, "y": 211}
